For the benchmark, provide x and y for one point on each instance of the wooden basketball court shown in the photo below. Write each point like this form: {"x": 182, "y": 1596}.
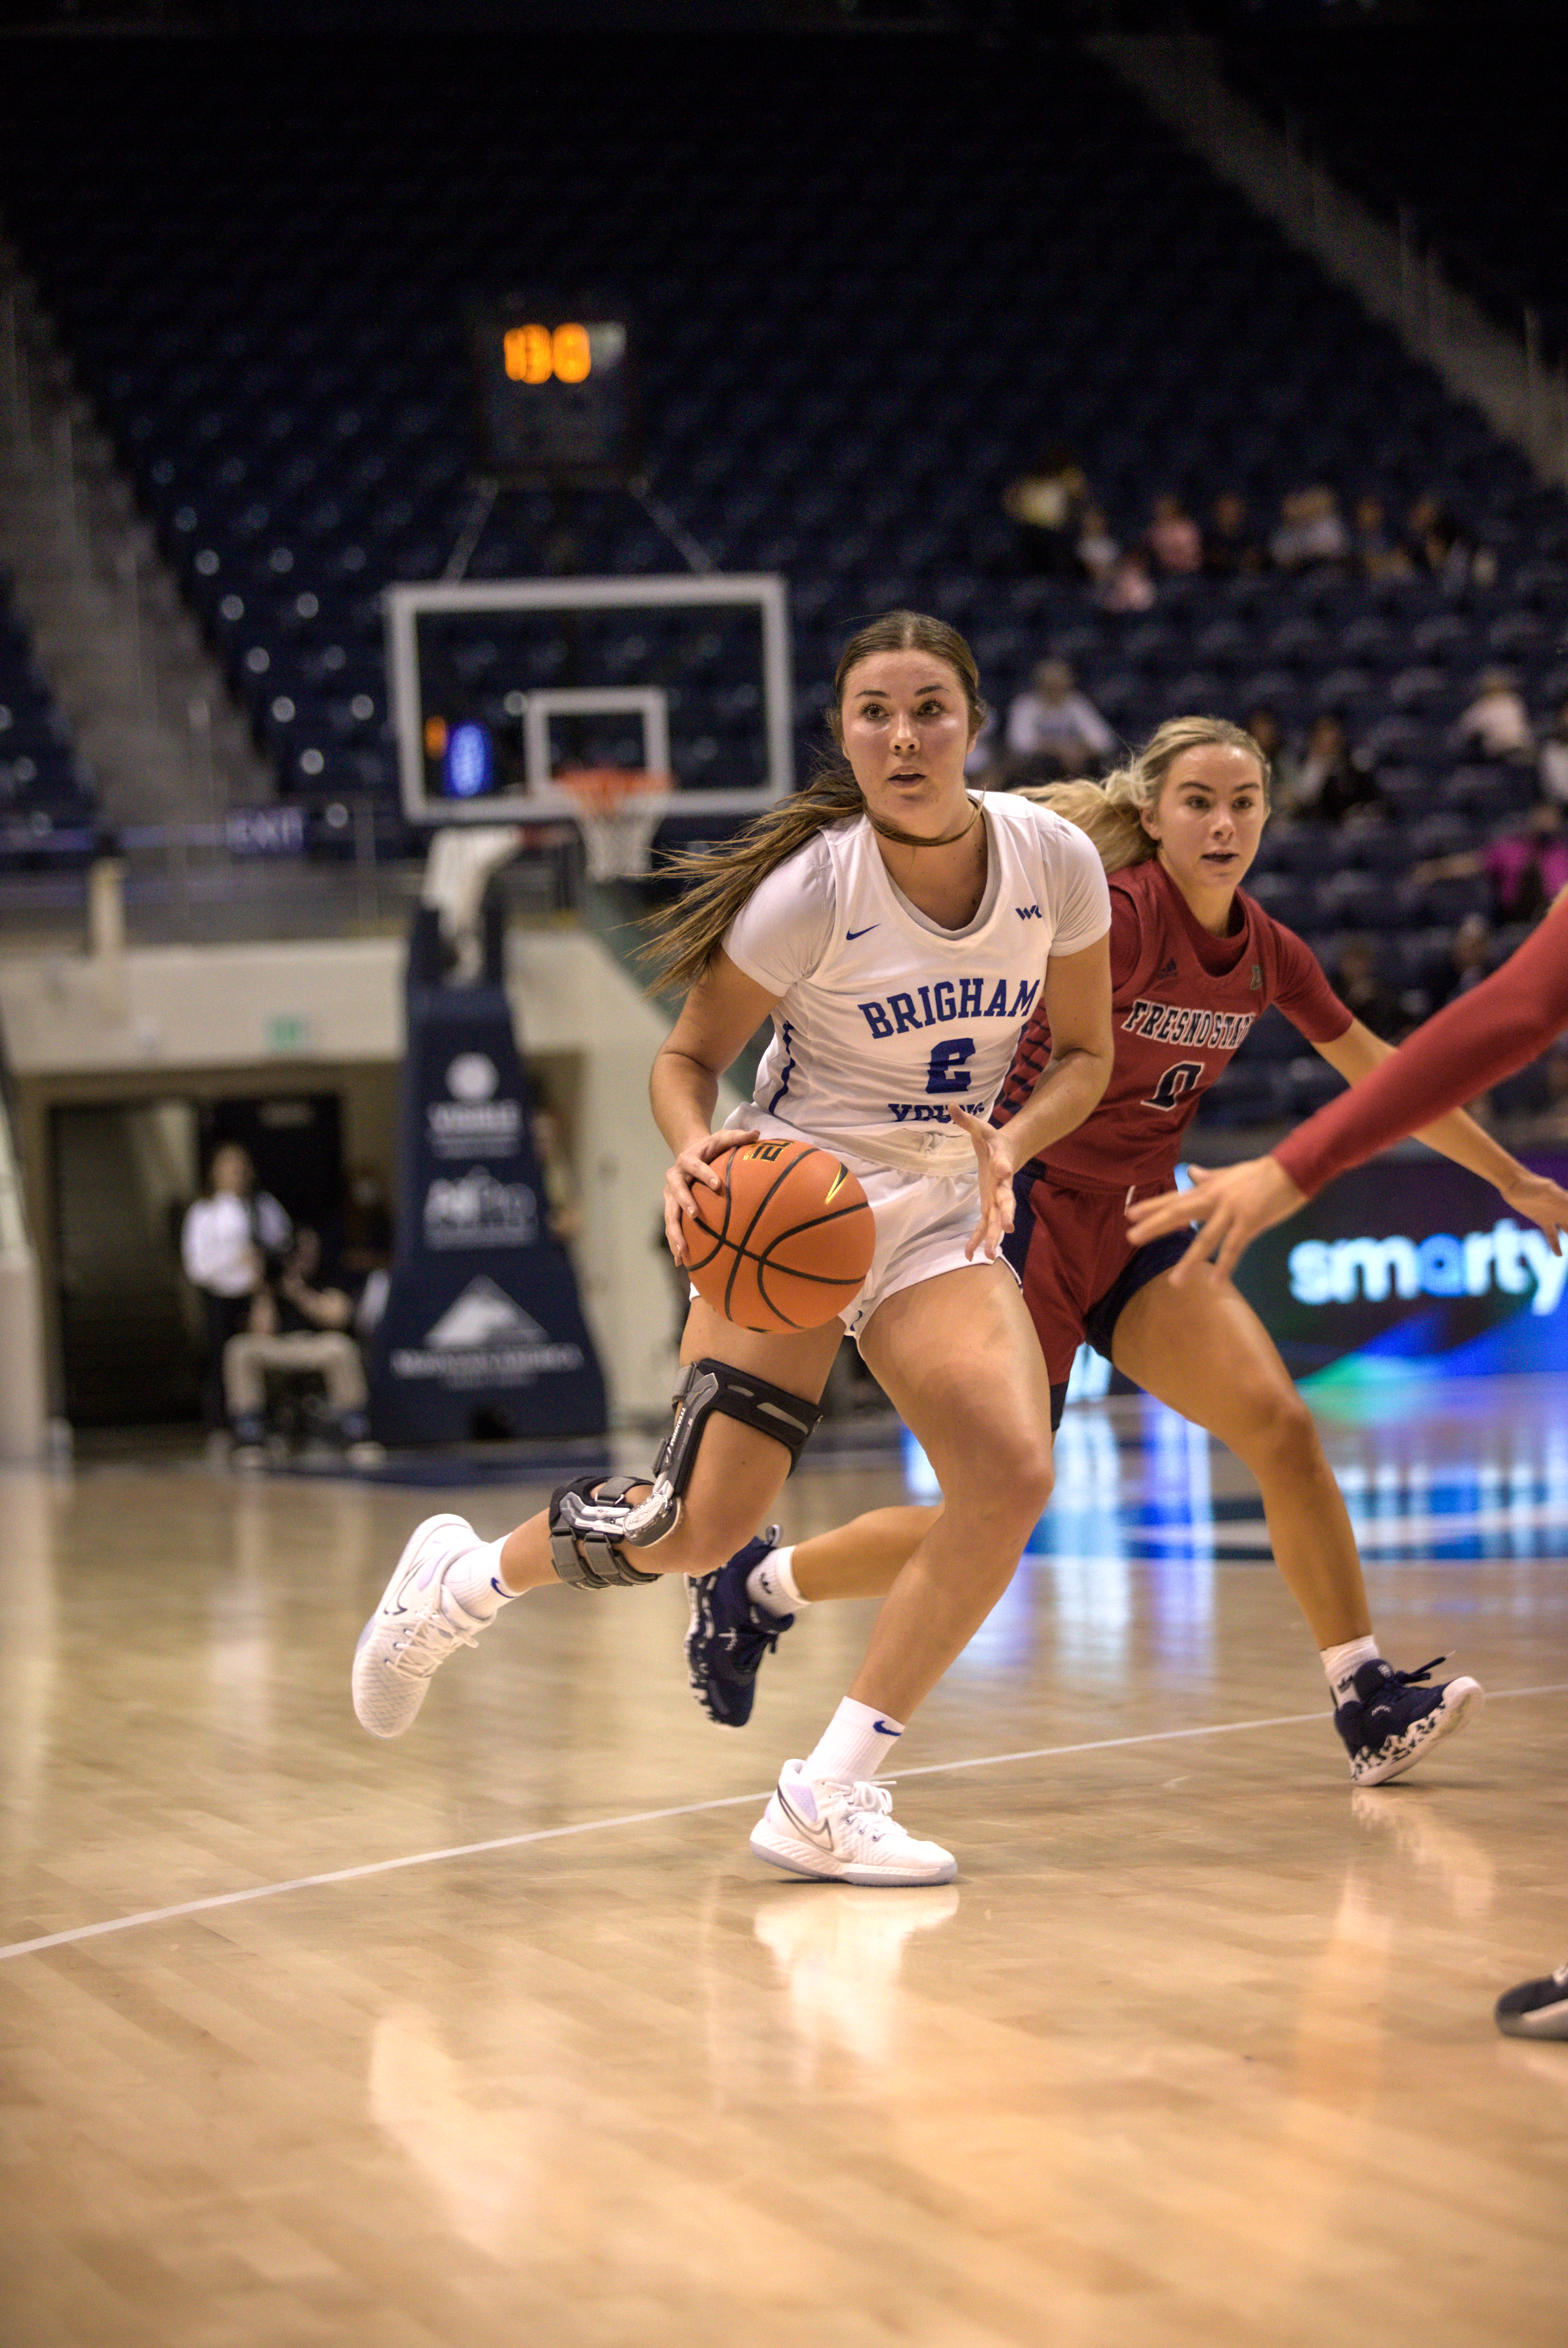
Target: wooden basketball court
{"x": 499, "y": 2034}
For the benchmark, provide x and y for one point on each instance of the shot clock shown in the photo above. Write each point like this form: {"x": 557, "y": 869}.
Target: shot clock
{"x": 555, "y": 392}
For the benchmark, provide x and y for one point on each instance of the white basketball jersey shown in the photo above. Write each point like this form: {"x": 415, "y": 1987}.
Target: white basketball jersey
{"x": 884, "y": 1019}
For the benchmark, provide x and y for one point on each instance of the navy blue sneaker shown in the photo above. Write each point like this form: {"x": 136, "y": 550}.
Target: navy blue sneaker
{"x": 250, "y": 1445}
{"x": 730, "y": 1635}
{"x": 1536, "y": 2009}
{"x": 1394, "y": 1718}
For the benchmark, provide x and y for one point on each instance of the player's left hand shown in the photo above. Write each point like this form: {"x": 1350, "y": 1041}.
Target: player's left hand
{"x": 1231, "y": 1206}
{"x": 995, "y": 1168}
{"x": 1541, "y": 1201}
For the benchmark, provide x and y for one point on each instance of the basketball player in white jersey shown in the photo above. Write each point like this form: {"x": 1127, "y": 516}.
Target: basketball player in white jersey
{"x": 898, "y": 932}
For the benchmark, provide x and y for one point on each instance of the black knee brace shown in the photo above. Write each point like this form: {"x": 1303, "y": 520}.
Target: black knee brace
{"x": 588, "y": 1520}
{"x": 588, "y": 1528}
{"x": 710, "y": 1386}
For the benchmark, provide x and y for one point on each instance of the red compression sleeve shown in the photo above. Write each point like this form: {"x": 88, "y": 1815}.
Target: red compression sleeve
{"x": 1471, "y": 1043}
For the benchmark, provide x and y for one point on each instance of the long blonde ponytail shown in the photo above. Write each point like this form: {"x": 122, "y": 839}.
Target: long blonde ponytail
{"x": 1110, "y": 821}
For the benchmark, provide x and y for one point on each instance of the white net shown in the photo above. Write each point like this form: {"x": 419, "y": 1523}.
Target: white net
{"x": 619, "y": 811}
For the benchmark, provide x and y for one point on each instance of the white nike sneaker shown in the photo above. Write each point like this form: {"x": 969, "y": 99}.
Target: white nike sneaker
{"x": 843, "y": 1833}
{"x": 416, "y": 1626}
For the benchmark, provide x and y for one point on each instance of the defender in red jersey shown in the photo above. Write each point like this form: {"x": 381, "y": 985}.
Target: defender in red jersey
{"x": 1474, "y": 1042}
{"x": 1183, "y": 1003}
{"x": 1193, "y": 963}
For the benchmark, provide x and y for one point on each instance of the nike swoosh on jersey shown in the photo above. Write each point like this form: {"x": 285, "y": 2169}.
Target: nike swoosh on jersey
{"x": 850, "y": 935}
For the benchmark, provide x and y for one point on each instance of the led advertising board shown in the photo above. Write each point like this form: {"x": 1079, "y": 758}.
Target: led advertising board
{"x": 1410, "y": 1268}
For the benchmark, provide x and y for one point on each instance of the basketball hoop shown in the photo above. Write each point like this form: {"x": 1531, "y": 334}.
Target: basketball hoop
{"x": 618, "y": 808}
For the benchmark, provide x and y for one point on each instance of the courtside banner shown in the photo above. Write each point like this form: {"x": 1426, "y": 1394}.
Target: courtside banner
{"x": 483, "y": 1333}
{"x": 1410, "y": 1269}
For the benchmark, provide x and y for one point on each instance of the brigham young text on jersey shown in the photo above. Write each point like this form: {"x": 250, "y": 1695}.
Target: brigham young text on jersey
{"x": 871, "y": 1036}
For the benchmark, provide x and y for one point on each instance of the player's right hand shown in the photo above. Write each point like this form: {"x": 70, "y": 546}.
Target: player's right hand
{"x": 1230, "y": 1205}
{"x": 694, "y": 1164}
{"x": 993, "y": 1163}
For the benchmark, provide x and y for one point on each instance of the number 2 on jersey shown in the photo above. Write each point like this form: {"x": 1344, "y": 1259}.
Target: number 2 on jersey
{"x": 947, "y": 1072}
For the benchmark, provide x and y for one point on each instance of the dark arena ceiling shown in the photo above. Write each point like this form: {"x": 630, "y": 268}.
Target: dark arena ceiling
{"x": 985, "y": 20}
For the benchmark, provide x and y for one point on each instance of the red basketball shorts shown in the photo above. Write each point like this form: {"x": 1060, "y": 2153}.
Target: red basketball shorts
{"x": 1077, "y": 1267}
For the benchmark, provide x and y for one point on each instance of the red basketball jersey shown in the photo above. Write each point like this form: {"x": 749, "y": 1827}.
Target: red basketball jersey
{"x": 1182, "y": 1003}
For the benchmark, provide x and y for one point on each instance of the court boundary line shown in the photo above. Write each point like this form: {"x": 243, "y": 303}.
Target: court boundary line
{"x": 78, "y": 1932}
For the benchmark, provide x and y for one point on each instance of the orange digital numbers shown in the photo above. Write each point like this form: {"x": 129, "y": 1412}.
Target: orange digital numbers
{"x": 534, "y": 355}
{"x": 527, "y": 351}
{"x": 569, "y": 348}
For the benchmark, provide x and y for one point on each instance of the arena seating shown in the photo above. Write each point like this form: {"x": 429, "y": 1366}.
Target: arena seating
{"x": 917, "y": 264}
{"x": 1463, "y": 131}
{"x": 46, "y": 799}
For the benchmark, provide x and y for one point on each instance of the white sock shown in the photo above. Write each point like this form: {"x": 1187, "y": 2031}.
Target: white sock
{"x": 770, "y": 1583}
{"x": 1341, "y": 1664}
{"x": 855, "y": 1743}
{"x": 475, "y": 1581}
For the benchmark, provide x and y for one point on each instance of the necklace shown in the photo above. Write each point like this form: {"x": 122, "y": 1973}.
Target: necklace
{"x": 908, "y": 840}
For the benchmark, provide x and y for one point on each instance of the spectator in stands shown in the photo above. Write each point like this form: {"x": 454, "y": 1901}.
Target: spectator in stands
{"x": 1311, "y": 531}
{"x": 1434, "y": 540}
{"x": 1332, "y": 782}
{"x": 1463, "y": 963}
{"x": 1525, "y": 868}
{"x": 229, "y": 1235}
{"x": 1440, "y": 548}
{"x": 1046, "y": 504}
{"x": 1358, "y": 983}
{"x": 1284, "y": 767}
{"x": 1375, "y": 554}
{"x": 1053, "y": 730}
{"x": 1172, "y": 537}
{"x": 1130, "y": 587}
{"x": 294, "y": 1324}
{"x": 1097, "y": 551}
{"x": 1555, "y": 760}
{"x": 1231, "y": 550}
{"x": 1497, "y": 720}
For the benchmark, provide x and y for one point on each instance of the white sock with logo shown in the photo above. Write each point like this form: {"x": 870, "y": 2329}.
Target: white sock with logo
{"x": 475, "y": 1581}
{"x": 770, "y": 1583}
{"x": 855, "y": 1743}
{"x": 1341, "y": 1664}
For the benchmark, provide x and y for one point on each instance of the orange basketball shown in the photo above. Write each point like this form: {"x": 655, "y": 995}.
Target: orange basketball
{"x": 785, "y": 1243}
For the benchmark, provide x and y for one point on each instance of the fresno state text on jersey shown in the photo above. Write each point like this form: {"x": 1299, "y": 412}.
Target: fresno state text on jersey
{"x": 884, "y": 1019}
{"x": 1182, "y": 1002}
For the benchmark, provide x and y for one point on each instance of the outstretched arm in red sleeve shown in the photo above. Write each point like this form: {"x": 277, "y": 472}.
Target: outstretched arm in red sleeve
{"x": 1472, "y": 1043}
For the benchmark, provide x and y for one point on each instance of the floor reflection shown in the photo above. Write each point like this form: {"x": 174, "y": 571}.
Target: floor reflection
{"x": 839, "y": 1953}
{"x": 479, "y": 2158}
